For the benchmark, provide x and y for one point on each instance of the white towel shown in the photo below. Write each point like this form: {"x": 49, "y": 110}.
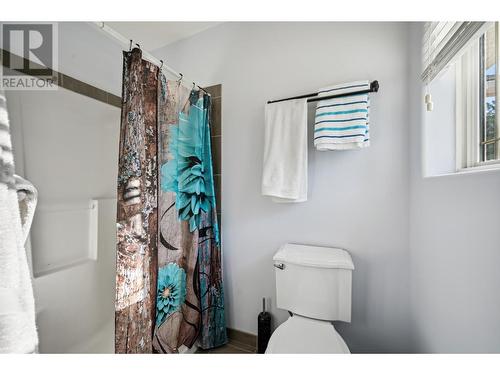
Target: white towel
{"x": 17, "y": 308}
{"x": 27, "y": 196}
{"x": 343, "y": 123}
{"x": 284, "y": 174}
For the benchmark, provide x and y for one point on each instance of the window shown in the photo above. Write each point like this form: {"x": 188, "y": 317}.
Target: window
{"x": 489, "y": 134}
{"x": 478, "y": 129}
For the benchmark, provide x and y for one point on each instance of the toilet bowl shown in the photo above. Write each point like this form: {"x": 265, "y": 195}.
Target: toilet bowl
{"x": 314, "y": 284}
{"x": 304, "y": 335}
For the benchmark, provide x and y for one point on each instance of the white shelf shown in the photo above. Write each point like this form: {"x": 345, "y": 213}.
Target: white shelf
{"x": 64, "y": 236}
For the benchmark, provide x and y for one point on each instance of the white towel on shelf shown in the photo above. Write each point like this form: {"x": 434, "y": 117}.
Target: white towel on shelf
{"x": 17, "y": 308}
{"x": 343, "y": 123}
{"x": 284, "y": 174}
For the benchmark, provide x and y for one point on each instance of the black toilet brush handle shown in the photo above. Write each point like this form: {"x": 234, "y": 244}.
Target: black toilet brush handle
{"x": 264, "y": 329}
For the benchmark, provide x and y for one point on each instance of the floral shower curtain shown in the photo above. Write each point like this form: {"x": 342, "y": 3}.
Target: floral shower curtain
{"x": 169, "y": 292}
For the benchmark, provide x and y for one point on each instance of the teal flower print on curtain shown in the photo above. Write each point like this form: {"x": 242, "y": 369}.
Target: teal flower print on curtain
{"x": 189, "y": 173}
{"x": 188, "y": 232}
{"x": 171, "y": 291}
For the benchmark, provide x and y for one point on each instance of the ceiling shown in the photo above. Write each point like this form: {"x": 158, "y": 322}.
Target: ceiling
{"x": 153, "y": 35}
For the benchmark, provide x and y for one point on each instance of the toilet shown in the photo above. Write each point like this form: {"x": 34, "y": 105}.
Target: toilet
{"x": 314, "y": 285}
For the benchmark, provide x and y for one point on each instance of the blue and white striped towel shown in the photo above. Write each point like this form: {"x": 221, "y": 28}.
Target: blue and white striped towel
{"x": 343, "y": 123}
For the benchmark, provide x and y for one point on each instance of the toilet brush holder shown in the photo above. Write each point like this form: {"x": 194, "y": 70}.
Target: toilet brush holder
{"x": 264, "y": 329}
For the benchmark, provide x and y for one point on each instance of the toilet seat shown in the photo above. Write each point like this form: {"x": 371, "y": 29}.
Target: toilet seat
{"x": 305, "y": 335}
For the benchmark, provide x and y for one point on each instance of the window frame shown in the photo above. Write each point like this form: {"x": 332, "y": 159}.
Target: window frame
{"x": 468, "y": 108}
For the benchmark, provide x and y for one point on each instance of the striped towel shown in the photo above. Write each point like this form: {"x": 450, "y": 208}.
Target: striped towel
{"x": 342, "y": 123}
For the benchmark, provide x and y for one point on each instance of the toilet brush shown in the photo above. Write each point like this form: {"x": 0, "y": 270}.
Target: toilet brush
{"x": 264, "y": 329}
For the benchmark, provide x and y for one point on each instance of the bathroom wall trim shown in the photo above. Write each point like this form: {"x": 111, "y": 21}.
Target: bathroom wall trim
{"x": 72, "y": 84}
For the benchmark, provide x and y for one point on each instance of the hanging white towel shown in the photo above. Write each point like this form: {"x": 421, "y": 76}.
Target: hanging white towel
{"x": 17, "y": 308}
{"x": 343, "y": 123}
{"x": 284, "y": 174}
{"x": 27, "y": 196}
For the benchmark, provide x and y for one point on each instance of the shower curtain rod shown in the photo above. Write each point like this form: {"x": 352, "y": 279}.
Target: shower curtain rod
{"x": 123, "y": 40}
{"x": 313, "y": 97}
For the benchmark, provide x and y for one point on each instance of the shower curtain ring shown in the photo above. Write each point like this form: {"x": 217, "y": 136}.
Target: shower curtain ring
{"x": 180, "y": 78}
{"x": 130, "y": 46}
{"x": 194, "y": 85}
{"x": 161, "y": 66}
{"x": 138, "y": 45}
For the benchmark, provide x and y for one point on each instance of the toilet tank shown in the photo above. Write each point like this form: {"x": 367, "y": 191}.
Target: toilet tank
{"x": 314, "y": 281}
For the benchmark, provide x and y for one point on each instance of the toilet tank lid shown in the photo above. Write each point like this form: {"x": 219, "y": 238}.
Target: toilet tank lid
{"x": 314, "y": 256}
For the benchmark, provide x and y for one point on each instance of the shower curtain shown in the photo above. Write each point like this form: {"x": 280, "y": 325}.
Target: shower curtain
{"x": 169, "y": 292}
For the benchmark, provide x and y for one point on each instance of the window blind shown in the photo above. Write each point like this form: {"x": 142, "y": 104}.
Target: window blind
{"x": 442, "y": 42}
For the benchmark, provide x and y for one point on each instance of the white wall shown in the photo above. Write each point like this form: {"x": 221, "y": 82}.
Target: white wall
{"x": 455, "y": 246}
{"x": 358, "y": 200}
{"x": 87, "y": 54}
{"x": 439, "y": 126}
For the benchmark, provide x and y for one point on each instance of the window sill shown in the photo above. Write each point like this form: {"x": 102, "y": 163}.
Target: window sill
{"x": 485, "y": 168}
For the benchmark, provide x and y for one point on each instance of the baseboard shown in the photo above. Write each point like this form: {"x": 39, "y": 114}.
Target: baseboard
{"x": 244, "y": 338}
